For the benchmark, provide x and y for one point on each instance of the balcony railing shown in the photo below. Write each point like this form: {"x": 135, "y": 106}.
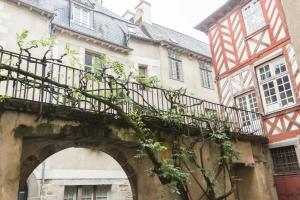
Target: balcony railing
{"x": 23, "y": 77}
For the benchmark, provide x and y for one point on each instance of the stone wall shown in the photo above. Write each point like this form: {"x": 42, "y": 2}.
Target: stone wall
{"x": 43, "y": 137}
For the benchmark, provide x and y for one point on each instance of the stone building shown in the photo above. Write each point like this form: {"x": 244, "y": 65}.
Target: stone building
{"x": 90, "y": 29}
{"x": 255, "y": 51}
{"x": 178, "y": 61}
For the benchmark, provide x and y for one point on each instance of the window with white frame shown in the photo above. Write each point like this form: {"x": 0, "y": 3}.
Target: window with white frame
{"x": 253, "y": 16}
{"x": 176, "y": 72}
{"x": 91, "y": 60}
{"x": 87, "y": 192}
{"x": 206, "y": 76}
{"x": 275, "y": 85}
{"x": 81, "y": 15}
{"x": 248, "y": 102}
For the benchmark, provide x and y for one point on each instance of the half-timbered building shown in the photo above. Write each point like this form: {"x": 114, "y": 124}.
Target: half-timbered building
{"x": 256, "y": 69}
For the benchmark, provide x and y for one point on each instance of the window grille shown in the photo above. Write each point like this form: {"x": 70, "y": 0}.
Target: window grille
{"x": 285, "y": 160}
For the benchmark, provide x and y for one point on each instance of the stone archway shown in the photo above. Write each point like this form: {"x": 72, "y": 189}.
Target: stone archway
{"x": 35, "y": 151}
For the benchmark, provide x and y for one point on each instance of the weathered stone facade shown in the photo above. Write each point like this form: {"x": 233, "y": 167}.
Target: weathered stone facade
{"x": 34, "y": 140}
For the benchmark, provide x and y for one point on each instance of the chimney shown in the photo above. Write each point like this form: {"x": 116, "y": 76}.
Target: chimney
{"x": 143, "y": 13}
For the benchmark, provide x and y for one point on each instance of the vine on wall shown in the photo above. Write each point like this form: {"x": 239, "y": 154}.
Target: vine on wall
{"x": 188, "y": 152}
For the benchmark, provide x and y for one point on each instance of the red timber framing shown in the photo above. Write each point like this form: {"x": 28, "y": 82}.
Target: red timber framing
{"x": 236, "y": 56}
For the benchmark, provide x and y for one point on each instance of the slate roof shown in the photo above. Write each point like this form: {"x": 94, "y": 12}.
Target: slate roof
{"x": 161, "y": 33}
{"x": 112, "y": 28}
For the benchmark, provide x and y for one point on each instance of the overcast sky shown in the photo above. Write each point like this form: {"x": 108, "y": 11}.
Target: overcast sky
{"x": 180, "y": 15}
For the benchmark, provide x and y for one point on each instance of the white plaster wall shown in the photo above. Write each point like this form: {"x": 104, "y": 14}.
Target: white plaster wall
{"x": 82, "y": 45}
{"x": 191, "y": 77}
{"x": 146, "y": 53}
{"x": 15, "y": 19}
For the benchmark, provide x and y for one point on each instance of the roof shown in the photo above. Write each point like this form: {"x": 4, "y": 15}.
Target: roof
{"x": 217, "y": 15}
{"x": 161, "y": 33}
{"x": 114, "y": 29}
{"x": 34, "y": 5}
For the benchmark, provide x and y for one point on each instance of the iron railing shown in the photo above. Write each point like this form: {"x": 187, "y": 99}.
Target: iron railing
{"x": 24, "y": 77}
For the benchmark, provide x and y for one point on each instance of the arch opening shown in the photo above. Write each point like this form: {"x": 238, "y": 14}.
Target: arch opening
{"x": 77, "y": 173}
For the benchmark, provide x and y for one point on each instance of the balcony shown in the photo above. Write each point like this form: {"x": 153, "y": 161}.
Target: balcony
{"x": 29, "y": 79}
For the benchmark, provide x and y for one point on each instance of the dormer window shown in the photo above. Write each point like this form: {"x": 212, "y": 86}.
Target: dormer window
{"x": 81, "y": 16}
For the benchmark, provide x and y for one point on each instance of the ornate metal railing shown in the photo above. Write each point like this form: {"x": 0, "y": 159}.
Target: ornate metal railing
{"x": 24, "y": 77}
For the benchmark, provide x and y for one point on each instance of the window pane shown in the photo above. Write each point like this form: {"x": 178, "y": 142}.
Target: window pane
{"x": 280, "y": 68}
{"x": 269, "y": 92}
{"x": 81, "y": 15}
{"x": 285, "y": 160}
{"x": 265, "y": 72}
{"x": 143, "y": 71}
{"x": 87, "y": 193}
{"x": 175, "y": 66}
{"x": 253, "y": 16}
{"x": 89, "y": 59}
{"x": 102, "y": 192}
{"x": 86, "y": 17}
{"x": 76, "y": 13}
{"x": 70, "y": 193}
{"x": 206, "y": 77}
{"x": 248, "y": 102}
{"x": 285, "y": 92}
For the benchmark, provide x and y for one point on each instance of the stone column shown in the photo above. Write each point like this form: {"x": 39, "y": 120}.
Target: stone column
{"x": 10, "y": 157}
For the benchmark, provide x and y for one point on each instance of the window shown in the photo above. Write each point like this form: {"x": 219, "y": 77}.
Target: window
{"x": 253, "y": 16}
{"x": 248, "y": 102}
{"x": 81, "y": 15}
{"x": 143, "y": 70}
{"x": 175, "y": 66}
{"x": 89, "y": 192}
{"x": 206, "y": 76}
{"x": 285, "y": 160}
{"x": 101, "y": 193}
{"x": 275, "y": 85}
{"x": 90, "y": 61}
{"x": 70, "y": 193}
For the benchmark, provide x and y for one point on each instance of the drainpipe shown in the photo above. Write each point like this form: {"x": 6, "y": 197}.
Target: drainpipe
{"x": 43, "y": 178}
